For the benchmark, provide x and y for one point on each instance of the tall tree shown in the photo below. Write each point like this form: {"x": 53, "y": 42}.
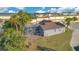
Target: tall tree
{"x": 13, "y": 40}
{"x": 24, "y": 18}
{"x": 74, "y": 19}
{"x": 67, "y": 21}
{"x": 13, "y": 36}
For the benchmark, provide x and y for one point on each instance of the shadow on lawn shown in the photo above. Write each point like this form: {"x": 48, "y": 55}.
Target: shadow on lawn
{"x": 44, "y": 49}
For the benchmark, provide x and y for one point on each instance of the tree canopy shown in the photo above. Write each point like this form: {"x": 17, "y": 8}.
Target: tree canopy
{"x": 68, "y": 20}
{"x": 13, "y": 35}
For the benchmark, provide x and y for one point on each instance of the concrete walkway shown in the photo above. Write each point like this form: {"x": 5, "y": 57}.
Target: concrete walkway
{"x": 75, "y": 36}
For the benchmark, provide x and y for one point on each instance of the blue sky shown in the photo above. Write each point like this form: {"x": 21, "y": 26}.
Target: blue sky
{"x": 38, "y": 9}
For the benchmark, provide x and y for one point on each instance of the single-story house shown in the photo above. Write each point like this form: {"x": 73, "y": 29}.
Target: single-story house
{"x": 5, "y": 15}
{"x": 48, "y": 28}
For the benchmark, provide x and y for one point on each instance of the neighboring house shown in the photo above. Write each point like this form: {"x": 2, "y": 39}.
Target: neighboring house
{"x": 28, "y": 29}
{"x": 48, "y": 28}
{"x": 5, "y": 15}
{"x": 41, "y": 16}
{"x": 55, "y": 17}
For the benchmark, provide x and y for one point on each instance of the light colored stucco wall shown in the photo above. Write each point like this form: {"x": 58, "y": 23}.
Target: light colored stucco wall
{"x": 4, "y": 17}
{"x": 54, "y": 31}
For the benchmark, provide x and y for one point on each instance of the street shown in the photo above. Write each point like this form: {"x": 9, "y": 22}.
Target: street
{"x": 75, "y": 36}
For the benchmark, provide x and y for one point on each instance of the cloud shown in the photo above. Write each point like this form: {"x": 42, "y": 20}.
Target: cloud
{"x": 3, "y": 9}
{"x": 40, "y": 11}
{"x": 12, "y": 11}
{"x": 52, "y": 10}
{"x": 65, "y": 9}
{"x": 60, "y": 10}
{"x": 76, "y": 10}
{"x": 69, "y": 9}
{"x": 21, "y": 8}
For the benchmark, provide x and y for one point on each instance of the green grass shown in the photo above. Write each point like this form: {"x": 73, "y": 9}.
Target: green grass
{"x": 60, "y": 42}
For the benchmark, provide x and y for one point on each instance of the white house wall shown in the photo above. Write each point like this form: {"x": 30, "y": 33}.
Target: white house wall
{"x": 4, "y": 17}
{"x": 40, "y": 19}
{"x": 54, "y": 31}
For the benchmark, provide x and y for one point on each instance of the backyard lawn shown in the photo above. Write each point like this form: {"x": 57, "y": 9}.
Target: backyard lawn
{"x": 60, "y": 42}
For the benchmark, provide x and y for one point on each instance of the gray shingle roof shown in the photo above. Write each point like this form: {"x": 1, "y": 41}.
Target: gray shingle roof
{"x": 46, "y": 25}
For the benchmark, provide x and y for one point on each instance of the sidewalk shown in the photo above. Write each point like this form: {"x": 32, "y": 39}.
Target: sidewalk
{"x": 75, "y": 38}
{"x": 75, "y": 35}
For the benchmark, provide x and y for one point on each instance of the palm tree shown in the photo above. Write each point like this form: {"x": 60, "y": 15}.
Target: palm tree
{"x": 13, "y": 38}
{"x": 24, "y": 17}
{"x": 67, "y": 21}
{"x": 14, "y": 21}
{"x": 20, "y": 19}
{"x": 74, "y": 19}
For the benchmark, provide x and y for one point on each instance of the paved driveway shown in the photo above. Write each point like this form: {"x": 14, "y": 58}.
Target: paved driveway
{"x": 75, "y": 26}
{"x": 75, "y": 36}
